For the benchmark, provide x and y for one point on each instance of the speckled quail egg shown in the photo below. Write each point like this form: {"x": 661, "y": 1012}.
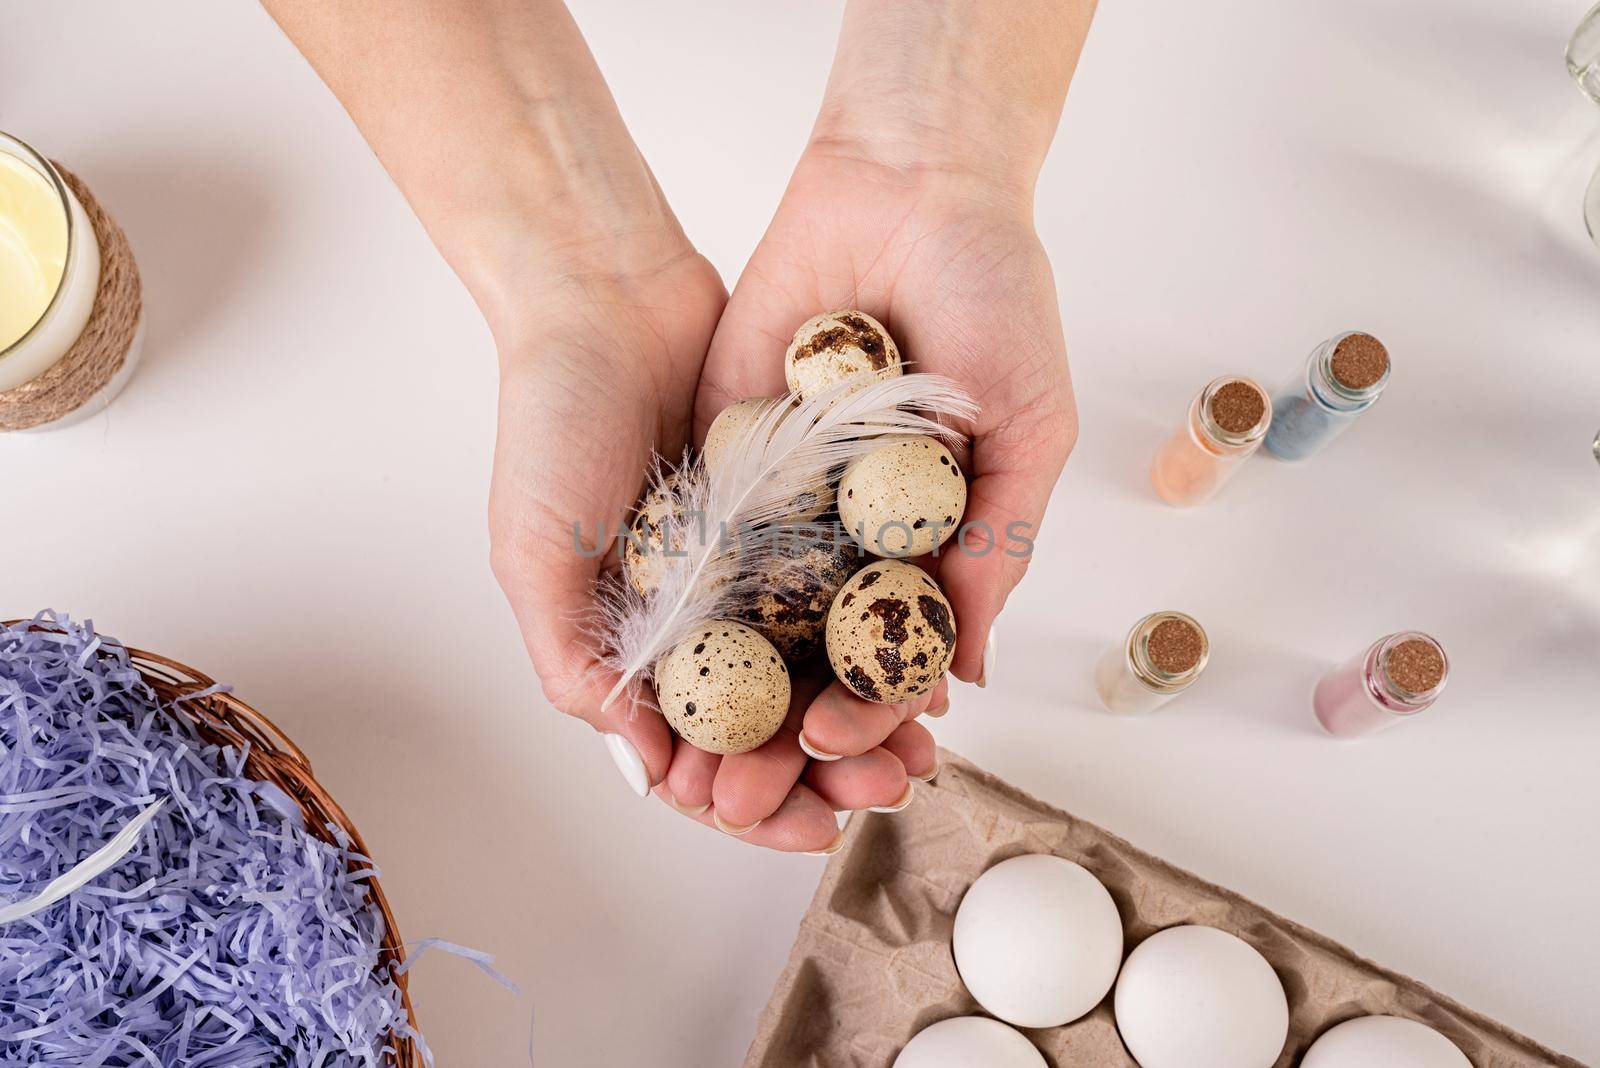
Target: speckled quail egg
{"x": 904, "y": 498}
{"x": 732, "y": 424}
{"x": 724, "y": 688}
{"x": 891, "y": 632}
{"x": 831, "y": 348}
{"x": 644, "y": 556}
{"x": 797, "y": 586}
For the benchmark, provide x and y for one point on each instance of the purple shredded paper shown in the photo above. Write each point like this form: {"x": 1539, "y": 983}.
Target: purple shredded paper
{"x": 229, "y": 937}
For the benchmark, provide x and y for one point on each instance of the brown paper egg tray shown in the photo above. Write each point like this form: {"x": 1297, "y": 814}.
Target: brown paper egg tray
{"x": 872, "y": 965}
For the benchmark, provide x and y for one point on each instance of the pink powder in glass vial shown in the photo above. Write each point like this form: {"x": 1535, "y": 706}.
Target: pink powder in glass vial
{"x": 1393, "y": 679}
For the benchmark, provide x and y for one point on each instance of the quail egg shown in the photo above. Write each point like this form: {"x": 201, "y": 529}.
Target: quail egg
{"x": 891, "y": 632}
{"x": 724, "y": 688}
{"x": 834, "y": 347}
{"x": 732, "y": 424}
{"x": 904, "y": 498}
{"x": 644, "y": 550}
{"x": 797, "y": 587}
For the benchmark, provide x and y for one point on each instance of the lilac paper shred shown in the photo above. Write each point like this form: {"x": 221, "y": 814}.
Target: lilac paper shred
{"x": 228, "y": 936}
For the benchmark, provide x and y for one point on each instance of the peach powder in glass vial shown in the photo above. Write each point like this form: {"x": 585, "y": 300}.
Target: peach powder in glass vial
{"x": 1226, "y": 423}
{"x": 1162, "y": 656}
{"x": 1392, "y": 679}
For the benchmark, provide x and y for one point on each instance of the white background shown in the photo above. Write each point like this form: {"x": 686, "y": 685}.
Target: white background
{"x": 290, "y": 494}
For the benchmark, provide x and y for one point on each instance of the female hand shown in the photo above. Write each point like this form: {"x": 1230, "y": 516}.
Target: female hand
{"x": 497, "y": 126}
{"x": 598, "y": 374}
{"x": 599, "y": 371}
{"x": 913, "y": 203}
{"x": 494, "y": 121}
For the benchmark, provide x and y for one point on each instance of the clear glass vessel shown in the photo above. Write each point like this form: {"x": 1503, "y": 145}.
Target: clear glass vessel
{"x": 1583, "y": 54}
{"x": 1583, "y": 62}
{"x": 52, "y": 259}
{"x": 1343, "y": 377}
{"x": 1591, "y": 208}
{"x": 1225, "y": 424}
{"x": 1161, "y": 657}
{"x": 1392, "y": 679}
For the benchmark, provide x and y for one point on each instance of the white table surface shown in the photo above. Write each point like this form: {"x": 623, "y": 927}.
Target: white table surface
{"x": 290, "y": 494}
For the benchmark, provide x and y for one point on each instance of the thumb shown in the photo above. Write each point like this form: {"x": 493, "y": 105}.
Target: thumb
{"x": 1015, "y": 472}
{"x": 549, "y": 601}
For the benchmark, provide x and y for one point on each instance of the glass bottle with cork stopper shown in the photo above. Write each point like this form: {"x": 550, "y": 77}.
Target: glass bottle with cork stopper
{"x": 1226, "y": 423}
{"x": 1392, "y": 679}
{"x": 1163, "y": 655}
{"x": 1343, "y": 377}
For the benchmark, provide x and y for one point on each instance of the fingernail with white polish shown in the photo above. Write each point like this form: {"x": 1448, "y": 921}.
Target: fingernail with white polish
{"x": 813, "y": 752}
{"x": 936, "y": 712}
{"x": 906, "y": 799}
{"x": 832, "y": 848}
{"x": 629, "y": 762}
{"x": 928, "y": 777}
{"x": 729, "y": 828}
{"x": 988, "y": 659}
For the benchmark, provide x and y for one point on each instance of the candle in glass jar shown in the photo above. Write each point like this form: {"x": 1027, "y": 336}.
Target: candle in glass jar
{"x": 49, "y": 265}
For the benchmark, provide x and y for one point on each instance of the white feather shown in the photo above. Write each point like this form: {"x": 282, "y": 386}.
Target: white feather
{"x": 793, "y": 448}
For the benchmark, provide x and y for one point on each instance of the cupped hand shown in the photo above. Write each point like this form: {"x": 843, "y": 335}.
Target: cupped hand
{"x": 955, "y": 271}
{"x": 598, "y": 375}
{"x": 598, "y": 370}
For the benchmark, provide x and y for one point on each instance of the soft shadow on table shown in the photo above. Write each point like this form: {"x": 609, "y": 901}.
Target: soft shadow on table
{"x": 1070, "y": 688}
{"x": 197, "y": 227}
{"x": 1116, "y": 443}
{"x": 1262, "y": 681}
{"x": 1451, "y": 46}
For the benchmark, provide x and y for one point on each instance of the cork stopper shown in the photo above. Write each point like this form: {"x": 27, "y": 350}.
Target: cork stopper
{"x": 1238, "y": 407}
{"x": 1359, "y": 362}
{"x": 1175, "y": 646}
{"x": 1415, "y": 666}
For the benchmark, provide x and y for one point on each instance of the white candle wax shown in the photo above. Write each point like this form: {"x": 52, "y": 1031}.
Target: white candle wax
{"x": 49, "y": 265}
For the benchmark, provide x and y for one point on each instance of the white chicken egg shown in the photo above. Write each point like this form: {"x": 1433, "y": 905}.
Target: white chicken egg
{"x": 967, "y": 1042}
{"x": 1038, "y": 940}
{"x": 1197, "y": 997}
{"x": 1389, "y": 1041}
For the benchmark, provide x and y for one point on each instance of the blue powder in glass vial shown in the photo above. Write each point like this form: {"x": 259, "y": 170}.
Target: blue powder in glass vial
{"x": 1315, "y": 405}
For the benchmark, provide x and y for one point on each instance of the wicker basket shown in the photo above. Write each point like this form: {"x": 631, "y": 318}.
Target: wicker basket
{"x": 224, "y": 719}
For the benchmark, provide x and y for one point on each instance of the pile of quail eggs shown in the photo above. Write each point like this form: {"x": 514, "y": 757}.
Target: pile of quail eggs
{"x": 887, "y": 628}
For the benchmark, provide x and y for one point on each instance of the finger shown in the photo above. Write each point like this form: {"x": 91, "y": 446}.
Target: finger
{"x": 874, "y": 780}
{"x": 840, "y": 724}
{"x": 746, "y": 355}
{"x": 802, "y": 823}
{"x": 1016, "y": 469}
{"x": 548, "y": 602}
{"x": 749, "y": 787}
{"x": 687, "y": 786}
{"x": 636, "y": 736}
{"x": 913, "y": 743}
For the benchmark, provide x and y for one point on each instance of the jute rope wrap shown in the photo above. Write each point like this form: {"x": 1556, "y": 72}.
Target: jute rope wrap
{"x": 98, "y": 354}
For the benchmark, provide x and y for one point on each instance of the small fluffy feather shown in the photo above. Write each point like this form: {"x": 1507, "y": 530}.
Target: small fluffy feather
{"x": 784, "y": 454}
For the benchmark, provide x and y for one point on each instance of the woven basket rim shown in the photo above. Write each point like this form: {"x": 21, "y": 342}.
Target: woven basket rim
{"x": 272, "y": 757}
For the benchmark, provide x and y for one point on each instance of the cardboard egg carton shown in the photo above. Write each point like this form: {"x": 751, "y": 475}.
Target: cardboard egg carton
{"x": 872, "y": 964}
